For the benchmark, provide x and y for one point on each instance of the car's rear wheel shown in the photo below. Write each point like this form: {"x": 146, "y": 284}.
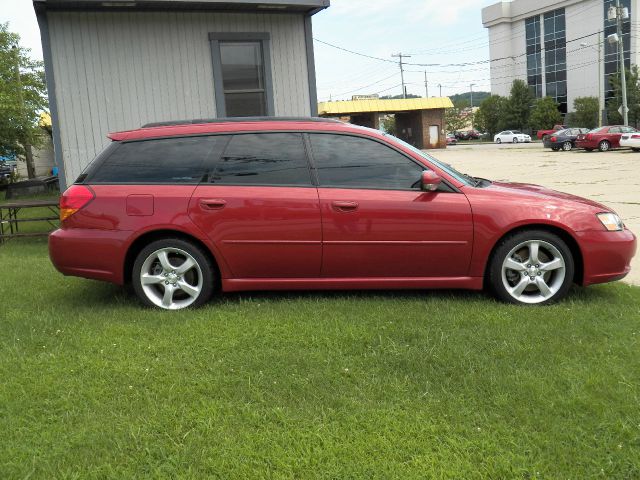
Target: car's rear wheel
{"x": 532, "y": 267}
{"x": 515, "y": 140}
{"x": 604, "y": 146}
{"x": 173, "y": 274}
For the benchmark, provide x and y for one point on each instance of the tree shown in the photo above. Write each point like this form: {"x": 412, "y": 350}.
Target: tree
{"x": 585, "y": 112}
{"x": 22, "y": 98}
{"x": 490, "y": 115}
{"x": 388, "y": 124}
{"x": 519, "y": 106}
{"x": 458, "y": 117}
{"x": 478, "y": 97}
{"x": 633, "y": 98}
{"x": 544, "y": 114}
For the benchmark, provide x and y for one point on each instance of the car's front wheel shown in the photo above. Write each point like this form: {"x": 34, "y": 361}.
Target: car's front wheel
{"x": 531, "y": 267}
{"x": 498, "y": 141}
{"x": 173, "y": 274}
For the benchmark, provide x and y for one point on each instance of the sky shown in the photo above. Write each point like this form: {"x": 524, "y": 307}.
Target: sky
{"x": 431, "y": 31}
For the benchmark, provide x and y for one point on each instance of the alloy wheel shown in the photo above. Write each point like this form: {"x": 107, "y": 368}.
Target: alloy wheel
{"x": 567, "y": 146}
{"x": 533, "y": 271}
{"x": 171, "y": 278}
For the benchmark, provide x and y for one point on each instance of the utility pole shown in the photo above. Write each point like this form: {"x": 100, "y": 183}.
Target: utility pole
{"x": 440, "y": 87}
{"x": 621, "y": 14}
{"x": 426, "y": 84}
{"x": 471, "y": 87}
{"x": 31, "y": 171}
{"x": 401, "y": 56}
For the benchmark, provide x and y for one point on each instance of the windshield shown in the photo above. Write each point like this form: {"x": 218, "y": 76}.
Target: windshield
{"x": 461, "y": 177}
{"x": 516, "y": 132}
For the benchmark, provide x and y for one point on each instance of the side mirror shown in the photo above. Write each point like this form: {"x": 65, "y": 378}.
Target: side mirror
{"x": 430, "y": 181}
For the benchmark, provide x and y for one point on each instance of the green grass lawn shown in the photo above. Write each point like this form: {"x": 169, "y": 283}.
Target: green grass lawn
{"x": 313, "y": 385}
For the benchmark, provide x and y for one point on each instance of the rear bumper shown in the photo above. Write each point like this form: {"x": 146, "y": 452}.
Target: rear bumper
{"x": 607, "y": 255}
{"x": 89, "y": 253}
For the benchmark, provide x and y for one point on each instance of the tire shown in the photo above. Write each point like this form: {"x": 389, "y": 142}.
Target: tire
{"x": 636, "y": 149}
{"x": 190, "y": 288}
{"x": 555, "y": 149}
{"x": 567, "y": 146}
{"x": 498, "y": 141}
{"x": 515, "y": 140}
{"x": 547, "y": 279}
{"x": 604, "y": 146}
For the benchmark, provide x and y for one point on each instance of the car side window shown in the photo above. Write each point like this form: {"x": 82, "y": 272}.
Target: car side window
{"x": 164, "y": 161}
{"x": 615, "y": 130}
{"x": 344, "y": 161}
{"x": 269, "y": 159}
{"x": 628, "y": 130}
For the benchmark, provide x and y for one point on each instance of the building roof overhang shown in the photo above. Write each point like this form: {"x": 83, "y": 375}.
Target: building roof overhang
{"x": 275, "y": 6}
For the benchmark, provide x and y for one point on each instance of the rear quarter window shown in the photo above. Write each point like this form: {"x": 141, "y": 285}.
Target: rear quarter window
{"x": 171, "y": 161}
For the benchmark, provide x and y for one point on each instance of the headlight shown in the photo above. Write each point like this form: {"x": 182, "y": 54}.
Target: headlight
{"x": 611, "y": 221}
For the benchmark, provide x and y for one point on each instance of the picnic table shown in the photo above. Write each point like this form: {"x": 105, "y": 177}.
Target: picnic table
{"x": 10, "y": 218}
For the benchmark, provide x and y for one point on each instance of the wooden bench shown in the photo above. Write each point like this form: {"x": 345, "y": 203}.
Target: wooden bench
{"x": 10, "y": 221}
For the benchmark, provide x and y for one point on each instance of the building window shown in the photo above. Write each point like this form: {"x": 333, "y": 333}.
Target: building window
{"x": 242, "y": 74}
{"x": 611, "y": 56}
{"x": 534, "y": 55}
{"x": 555, "y": 46}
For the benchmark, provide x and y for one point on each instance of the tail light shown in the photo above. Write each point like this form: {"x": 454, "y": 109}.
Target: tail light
{"x": 74, "y": 199}
{"x": 635, "y": 136}
{"x": 554, "y": 139}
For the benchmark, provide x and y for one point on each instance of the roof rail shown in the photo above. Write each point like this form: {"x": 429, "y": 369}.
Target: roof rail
{"x": 173, "y": 123}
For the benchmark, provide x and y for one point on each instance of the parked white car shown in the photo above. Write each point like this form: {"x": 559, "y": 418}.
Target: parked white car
{"x": 631, "y": 140}
{"x": 512, "y": 136}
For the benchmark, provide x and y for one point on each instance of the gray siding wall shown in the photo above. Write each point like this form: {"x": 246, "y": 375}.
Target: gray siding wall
{"x": 119, "y": 70}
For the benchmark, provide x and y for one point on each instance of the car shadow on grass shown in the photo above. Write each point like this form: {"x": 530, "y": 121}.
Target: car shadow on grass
{"x": 103, "y": 295}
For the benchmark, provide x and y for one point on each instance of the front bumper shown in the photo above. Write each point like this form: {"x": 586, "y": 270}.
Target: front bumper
{"x": 607, "y": 255}
{"x": 89, "y": 253}
{"x": 586, "y": 144}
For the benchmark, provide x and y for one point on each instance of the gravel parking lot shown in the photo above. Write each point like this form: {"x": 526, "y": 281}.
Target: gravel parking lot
{"x": 612, "y": 178}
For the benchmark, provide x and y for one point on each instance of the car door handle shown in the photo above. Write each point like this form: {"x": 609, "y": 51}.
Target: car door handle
{"x": 345, "y": 206}
{"x": 213, "y": 203}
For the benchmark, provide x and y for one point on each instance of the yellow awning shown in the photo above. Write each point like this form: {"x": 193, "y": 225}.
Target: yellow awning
{"x": 396, "y": 105}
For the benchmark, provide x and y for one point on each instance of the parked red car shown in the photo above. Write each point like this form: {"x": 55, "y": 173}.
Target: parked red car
{"x": 183, "y": 210}
{"x": 603, "y": 138}
{"x": 544, "y": 133}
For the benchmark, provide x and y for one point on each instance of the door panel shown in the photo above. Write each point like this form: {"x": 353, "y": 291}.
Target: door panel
{"x": 262, "y": 232}
{"x": 388, "y": 233}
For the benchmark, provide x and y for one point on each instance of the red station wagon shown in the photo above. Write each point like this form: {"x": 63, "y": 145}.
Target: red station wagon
{"x": 182, "y": 210}
{"x": 603, "y": 138}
